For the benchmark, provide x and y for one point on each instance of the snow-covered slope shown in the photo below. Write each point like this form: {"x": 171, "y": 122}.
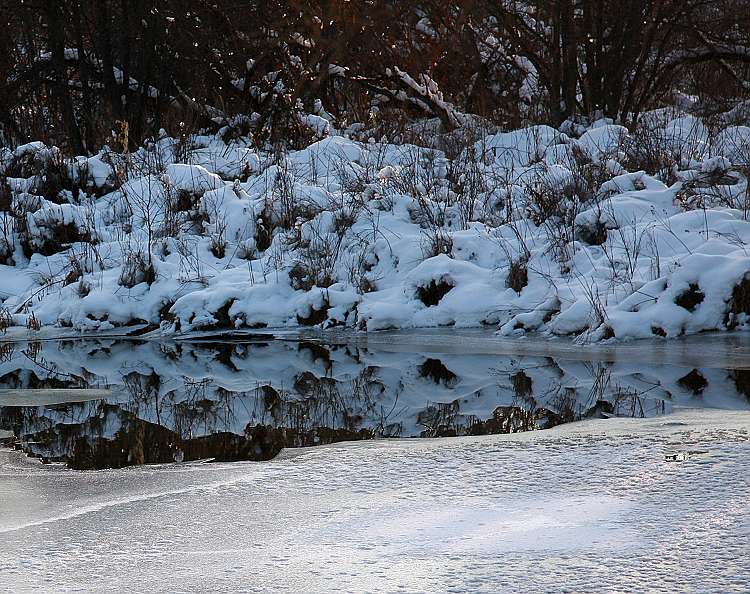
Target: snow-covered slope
{"x": 530, "y": 230}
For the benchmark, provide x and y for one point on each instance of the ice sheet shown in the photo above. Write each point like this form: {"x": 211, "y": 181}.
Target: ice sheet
{"x": 585, "y": 507}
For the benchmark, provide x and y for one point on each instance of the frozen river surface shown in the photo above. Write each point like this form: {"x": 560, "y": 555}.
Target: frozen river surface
{"x": 596, "y": 506}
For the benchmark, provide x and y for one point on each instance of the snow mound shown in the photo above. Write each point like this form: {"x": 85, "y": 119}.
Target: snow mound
{"x": 528, "y": 230}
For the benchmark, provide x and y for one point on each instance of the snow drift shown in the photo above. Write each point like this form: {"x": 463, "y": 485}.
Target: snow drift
{"x": 530, "y": 230}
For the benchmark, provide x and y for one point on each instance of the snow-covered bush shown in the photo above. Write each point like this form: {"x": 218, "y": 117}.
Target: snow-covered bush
{"x": 529, "y": 230}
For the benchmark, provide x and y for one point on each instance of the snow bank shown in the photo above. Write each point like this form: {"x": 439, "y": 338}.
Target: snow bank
{"x": 529, "y": 230}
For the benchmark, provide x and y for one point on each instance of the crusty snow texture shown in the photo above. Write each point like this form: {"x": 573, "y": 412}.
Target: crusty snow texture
{"x": 585, "y": 507}
{"x": 530, "y": 230}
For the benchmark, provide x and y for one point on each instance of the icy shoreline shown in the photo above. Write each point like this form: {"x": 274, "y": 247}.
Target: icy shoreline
{"x": 713, "y": 349}
{"x": 589, "y": 506}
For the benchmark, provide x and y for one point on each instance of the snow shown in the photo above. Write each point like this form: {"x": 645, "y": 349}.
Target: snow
{"x": 15, "y": 281}
{"x": 200, "y": 228}
{"x": 590, "y": 507}
{"x": 520, "y": 147}
{"x": 28, "y": 148}
{"x": 602, "y": 140}
{"x": 734, "y": 142}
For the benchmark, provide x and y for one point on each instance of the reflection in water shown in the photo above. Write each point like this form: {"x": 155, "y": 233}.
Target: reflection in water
{"x": 246, "y": 401}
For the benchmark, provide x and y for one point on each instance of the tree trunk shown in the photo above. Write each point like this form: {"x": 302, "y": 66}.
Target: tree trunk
{"x": 56, "y": 40}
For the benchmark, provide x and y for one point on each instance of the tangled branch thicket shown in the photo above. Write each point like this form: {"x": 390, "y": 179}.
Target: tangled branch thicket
{"x": 80, "y": 74}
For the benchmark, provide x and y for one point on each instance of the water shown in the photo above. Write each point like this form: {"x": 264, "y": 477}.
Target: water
{"x": 94, "y": 404}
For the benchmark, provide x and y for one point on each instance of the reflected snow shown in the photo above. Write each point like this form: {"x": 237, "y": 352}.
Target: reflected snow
{"x": 112, "y": 403}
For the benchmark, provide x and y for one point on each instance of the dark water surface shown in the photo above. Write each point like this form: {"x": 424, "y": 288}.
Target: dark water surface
{"x": 113, "y": 402}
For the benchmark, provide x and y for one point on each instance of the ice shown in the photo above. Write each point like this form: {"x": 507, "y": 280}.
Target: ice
{"x": 587, "y": 507}
{"x": 49, "y": 396}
